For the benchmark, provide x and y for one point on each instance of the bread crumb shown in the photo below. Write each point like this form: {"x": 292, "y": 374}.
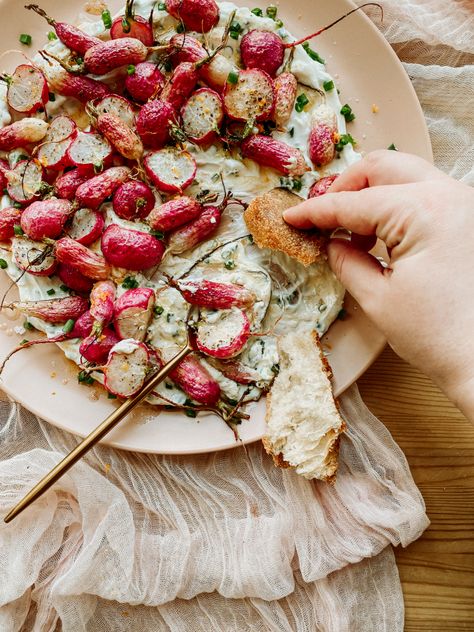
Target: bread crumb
{"x": 95, "y": 7}
{"x": 94, "y": 396}
{"x": 53, "y": 392}
{"x": 375, "y": 108}
{"x": 53, "y": 374}
{"x": 65, "y": 381}
{"x": 107, "y": 467}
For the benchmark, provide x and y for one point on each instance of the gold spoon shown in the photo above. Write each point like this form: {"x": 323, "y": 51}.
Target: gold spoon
{"x": 96, "y": 435}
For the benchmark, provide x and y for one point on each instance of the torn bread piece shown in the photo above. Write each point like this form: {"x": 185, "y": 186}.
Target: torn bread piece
{"x": 264, "y": 219}
{"x": 303, "y": 420}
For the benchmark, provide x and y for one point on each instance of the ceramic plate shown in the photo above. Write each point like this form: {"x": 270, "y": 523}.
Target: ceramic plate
{"x": 367, "y": 72}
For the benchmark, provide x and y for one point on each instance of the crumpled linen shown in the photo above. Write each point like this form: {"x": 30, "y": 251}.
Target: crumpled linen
{"x": 227, "y": 542}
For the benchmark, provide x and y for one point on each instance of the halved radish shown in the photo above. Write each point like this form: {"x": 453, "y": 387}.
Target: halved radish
{"x": 45, "y": 218}
{"x": 25, "y": 181}
{"x": 251, "y": 98}
{"x": 223, "y": 334}
{"x": 20, "y": 133}
{"x": 133, "y": 312}
{"x": 60, "y": 128}
{"x": 27, "y": 89}
{"x": 32, "y": 256}
{"x": 131, "y": 249}
{"x": 126, "y": 368}
{"x": 52, "y": 153}
{"x": 95, "y": 348}
{"x": 89, "y": 149}
{"x": 118, "y": 106}
{"x": 86, "y": 226}
{"x": 170, "y": 169}
{"x": 202, "y": 116}
{"x": 9, "y": 218}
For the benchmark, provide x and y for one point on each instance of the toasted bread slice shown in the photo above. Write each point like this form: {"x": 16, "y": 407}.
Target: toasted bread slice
{"x": 303, "y": 420}
{"x": 264, "y": 218}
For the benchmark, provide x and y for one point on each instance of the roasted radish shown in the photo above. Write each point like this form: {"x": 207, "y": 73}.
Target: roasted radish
{"x": 53, "y": 152}
{"x": 223, "y": 334}
{"x": 133, "y": 200}
{"x": 214, "y": 295}
{"x": 263, "y": 50}
{"x": 70, "y": 36}
{"x": 118, "y": 106}
{"x": 67, "y": 184}
{"x": 74, "y": 280}
{"x": 154, "y": 122}
{"x": 55, "y": 311}
{"x": 45, "y": 218}
{"x": 21, "y": 133}
{"x": 323, "y": 136}
{"x": 33, "y": 257}
{"x": 9, "y": 218}
{"x": 102, "y": 300}
{"x": 111, "y": 54}
{"x": 133, "y": 312}
{"x": 93, "y": 192}
{"x": 27, "y": 89}
{"x": 321, "y": 186}
{"x": 131, "y": 249}
{"x": 89, "y": 149}
{"x": 171, "y": 169}
{"x": 25, "y": 181}
{"x": 250, "y": 98}
{"x": 126, "y": 368}
{"x": 196, "y": 231}
{"x": 196, "y": 15}
{"x": 120, "y": 136}
{"x": 88, "y": 263}
{"x": 131, "y": 25}
{"x": 174, "y": 213}
{"x": 145, "y": 82}
{"x": 84, "y": 89}
{"x": 86, "y": 226}
{"x": 285, "y": 88}
{"x": 183, "y": 81}
{"x": 269, "y": 152}
{"x": 95, "y": 348}
{"x": 194, "y": 379}
{"x": 202, "y": 116}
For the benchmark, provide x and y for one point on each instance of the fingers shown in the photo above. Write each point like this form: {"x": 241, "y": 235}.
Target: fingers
{"x": 365, "y": 212}
{"x": 360, "y": 273}
{"x": 385, "y": 167}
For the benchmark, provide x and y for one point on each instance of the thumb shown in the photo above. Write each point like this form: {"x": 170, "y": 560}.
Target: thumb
{"x": 359, "y": 272}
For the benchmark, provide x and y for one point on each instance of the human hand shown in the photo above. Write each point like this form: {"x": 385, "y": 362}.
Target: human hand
{"x": 424, "y": 300}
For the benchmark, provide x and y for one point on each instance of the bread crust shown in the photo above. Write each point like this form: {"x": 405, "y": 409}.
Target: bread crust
{"x": 332, "y": 458}
{"x": 264, "y": 219}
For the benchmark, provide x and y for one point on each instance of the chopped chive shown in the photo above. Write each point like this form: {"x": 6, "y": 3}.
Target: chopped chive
{"x": 328, "y": 86}
{"x": 232, "y": 77}
{"x": 279, "y": 23}
{"x": 157, "y": 233}
{"x": 52, "y": 36}
{"x": 17, "y": 229}
{"x": 52, "y": 96}
{"x": 291, "y": 131}
{"x": 271, "y": 11}
{"x": 17, "y": 205}
{"x": 3, "y": 264}
{"x": 293, "y": 184}
{"x": 347, "y": 113}
{"x": 69, "y": 326}
{"x": 106, "y": 19}
{"x": 235, "y": 30}
{"x": 301, "y": 102}
{"x": 51, "y": 292}
{"x": 229, "y": 265}
{"x": 130, "y": 69}
{"x": 168, "y": 66}
{"x": 162, "y": 6}
{"x": 28, "y": 325}
{"x": 344, "y": 140}
{"x": 64, "y": 288}
{"x": 275, "y": 369}
{"x": 257, "y": 11}
{"x": 111, "y": 396}
{"x": 190, "y": 413}
{"x": 312, "y": 53}
{"x": 392, "y": 147}
{"x": 25, "y": 39}
{"x": 180, "y": 28}
{"x": 158, "y": 310}
{"x": 130, "y": 283}
{"x": 84, "y": 378}
{"x": 24, "y": 341}
{"x": 168, "y": 386}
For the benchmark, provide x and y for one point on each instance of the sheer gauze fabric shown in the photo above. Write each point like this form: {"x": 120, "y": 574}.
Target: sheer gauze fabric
{"x": 226, "y": 542}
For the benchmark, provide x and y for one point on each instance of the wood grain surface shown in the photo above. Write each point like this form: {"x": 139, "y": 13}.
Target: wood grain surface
{"x": 437, "y": 571}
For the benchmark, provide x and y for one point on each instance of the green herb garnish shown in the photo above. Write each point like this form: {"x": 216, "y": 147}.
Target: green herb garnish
{"x": 3, "y": 264}
{"x": 257, "y": 11}
{"x": 130, "y": 283}
{"x": 180, "y": 28}
{"x": 28, "y": 325}
{"x": 328, "y": 86}
{"x": 291, "y": 131}
{"x": 64, "y": 288}
{"x": 168, "y": 386}
{"x": 52, "y": 96}
{"x": 130, "y": 69}
{"x": 189, "y": 412}
{"x": 344, "y": 140}
{"x": 271, "y": 11}
{"x": 347, "y": 113}
{"x": 158, "y": 310}
{"x": 342, "y": 314}
{"x": 312, "y": 53}
{"x": 275, "y": 369}
{"x": 111, "y": 396}
{"x": 106, "y": 19}
{"x": 17, "y": 229}
{"x": 162, "y": 6}
{"x": 52, "y": 36}
{"x": 25, "y": 39}
{"x": 392, "y": 147}
{"x": 233, "y": 77}
{"x": 69, "y": 326}
{"x": 229, "y": 265}
{"x": 83, "y": 377}
{"x": 51, "y": 292}
{"x": 235, "y": 30}
{"x": 301, "y": 102}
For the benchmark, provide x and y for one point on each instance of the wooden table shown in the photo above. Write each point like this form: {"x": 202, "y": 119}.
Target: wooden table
{"x": 437, "y": 571}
